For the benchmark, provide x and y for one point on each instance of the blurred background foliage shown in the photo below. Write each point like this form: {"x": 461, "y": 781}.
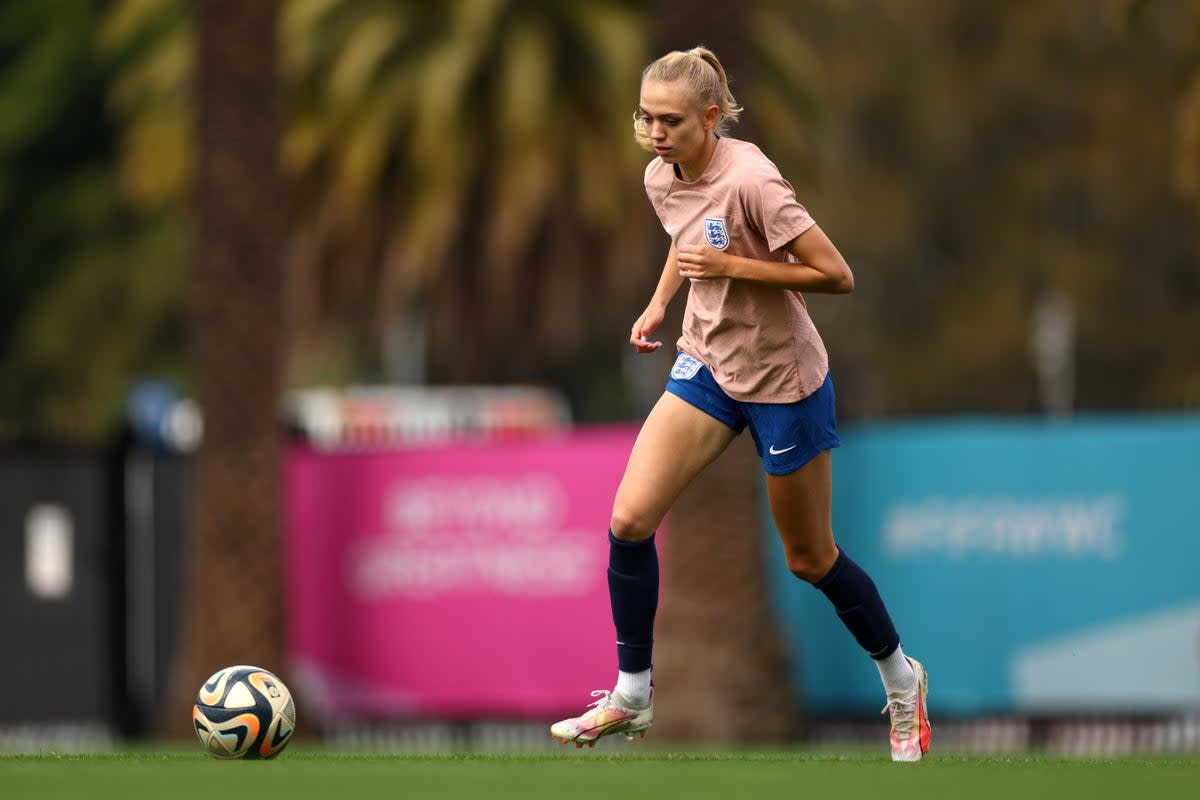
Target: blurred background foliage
{"x": 90, "y": 284}
{"x": 465, "y": 202}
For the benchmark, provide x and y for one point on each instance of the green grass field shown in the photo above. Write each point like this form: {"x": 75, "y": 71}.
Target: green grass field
{"x": 310, "y": 773}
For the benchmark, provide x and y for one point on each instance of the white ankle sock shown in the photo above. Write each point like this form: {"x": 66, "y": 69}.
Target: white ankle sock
{"x": 634, "y": 686}
{"x": 899, "y": 680}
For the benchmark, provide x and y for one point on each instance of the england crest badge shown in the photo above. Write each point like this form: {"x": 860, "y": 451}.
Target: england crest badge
{"x": 714, "y": 232}
{"x": 685, "y": 367}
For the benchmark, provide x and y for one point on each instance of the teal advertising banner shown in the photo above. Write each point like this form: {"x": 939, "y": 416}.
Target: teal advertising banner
{"x": 1035, "y": 567}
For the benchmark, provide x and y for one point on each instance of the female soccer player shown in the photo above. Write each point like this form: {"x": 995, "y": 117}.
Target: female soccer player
{"x": 749, "y": 356}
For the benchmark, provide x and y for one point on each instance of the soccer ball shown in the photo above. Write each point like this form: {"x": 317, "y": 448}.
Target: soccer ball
{"x": 244, "y": 712}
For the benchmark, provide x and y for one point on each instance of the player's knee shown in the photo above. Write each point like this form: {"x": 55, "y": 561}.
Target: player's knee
{"x": 630, "y": 527}
{"x": 810, "y": 564}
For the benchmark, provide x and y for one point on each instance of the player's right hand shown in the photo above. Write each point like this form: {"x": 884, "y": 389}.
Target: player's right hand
{"x": 640, "y": 336}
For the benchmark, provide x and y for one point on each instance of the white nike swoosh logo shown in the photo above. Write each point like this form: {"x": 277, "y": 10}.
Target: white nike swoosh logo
{"x": 775, "y": 452}
{"x": 673, "y": 228}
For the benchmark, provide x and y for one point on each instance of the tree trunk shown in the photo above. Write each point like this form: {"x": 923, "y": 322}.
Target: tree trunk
{"x": 719, "y": 657}
{"x": 232, "y": 597}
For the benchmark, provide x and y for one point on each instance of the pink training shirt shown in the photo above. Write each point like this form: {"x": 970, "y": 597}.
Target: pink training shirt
{"x": 758, "y": 341}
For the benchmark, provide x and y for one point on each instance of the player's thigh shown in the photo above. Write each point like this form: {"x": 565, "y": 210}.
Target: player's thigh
{"x": 676, "y": 442}
{"x": 801, "y": 504}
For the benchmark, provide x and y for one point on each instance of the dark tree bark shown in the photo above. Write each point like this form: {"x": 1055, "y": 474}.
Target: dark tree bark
{"x": 232, "y": 594}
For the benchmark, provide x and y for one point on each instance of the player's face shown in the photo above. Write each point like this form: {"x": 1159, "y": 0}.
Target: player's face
{"x": 679, "y": 129}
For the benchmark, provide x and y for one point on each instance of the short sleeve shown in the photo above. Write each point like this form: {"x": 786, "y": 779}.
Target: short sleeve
{"x": 771, "y": 208}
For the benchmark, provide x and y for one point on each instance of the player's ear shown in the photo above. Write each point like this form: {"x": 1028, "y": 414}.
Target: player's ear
{"x": 712, "y": 115}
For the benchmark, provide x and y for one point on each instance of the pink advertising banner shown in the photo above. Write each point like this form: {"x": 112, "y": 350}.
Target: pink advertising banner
{"x": 465, "y": 579}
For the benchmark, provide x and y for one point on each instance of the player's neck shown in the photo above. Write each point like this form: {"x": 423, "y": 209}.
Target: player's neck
{"x": 692, "y": 170}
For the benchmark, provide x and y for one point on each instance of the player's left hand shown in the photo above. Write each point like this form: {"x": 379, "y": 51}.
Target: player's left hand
{"x": 701, "y": 262}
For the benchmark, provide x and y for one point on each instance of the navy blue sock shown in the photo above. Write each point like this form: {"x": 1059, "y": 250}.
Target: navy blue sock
{"x": 633, "y": 591}
{"x": 858, "y": 604}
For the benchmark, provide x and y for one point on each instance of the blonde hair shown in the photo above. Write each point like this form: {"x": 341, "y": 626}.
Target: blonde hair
{"x": 702, "y": 73}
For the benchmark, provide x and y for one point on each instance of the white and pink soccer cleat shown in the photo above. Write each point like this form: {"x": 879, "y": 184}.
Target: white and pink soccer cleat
{"x": 612, "y": 713}
{"x": 911, "y": 731}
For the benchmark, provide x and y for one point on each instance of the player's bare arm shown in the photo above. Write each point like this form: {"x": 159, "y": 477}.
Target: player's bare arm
{"x": 645, "y": 326}
{"x": 821, "y": 267}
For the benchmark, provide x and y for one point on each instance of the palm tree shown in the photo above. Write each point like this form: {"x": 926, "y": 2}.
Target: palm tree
{"x": 232, "y": 597}
{"x": 477, "y": 167}
{"x": 467, "y": 162}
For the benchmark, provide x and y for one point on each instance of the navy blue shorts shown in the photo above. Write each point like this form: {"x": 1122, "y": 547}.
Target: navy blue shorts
{"x": 786, "y": 435}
